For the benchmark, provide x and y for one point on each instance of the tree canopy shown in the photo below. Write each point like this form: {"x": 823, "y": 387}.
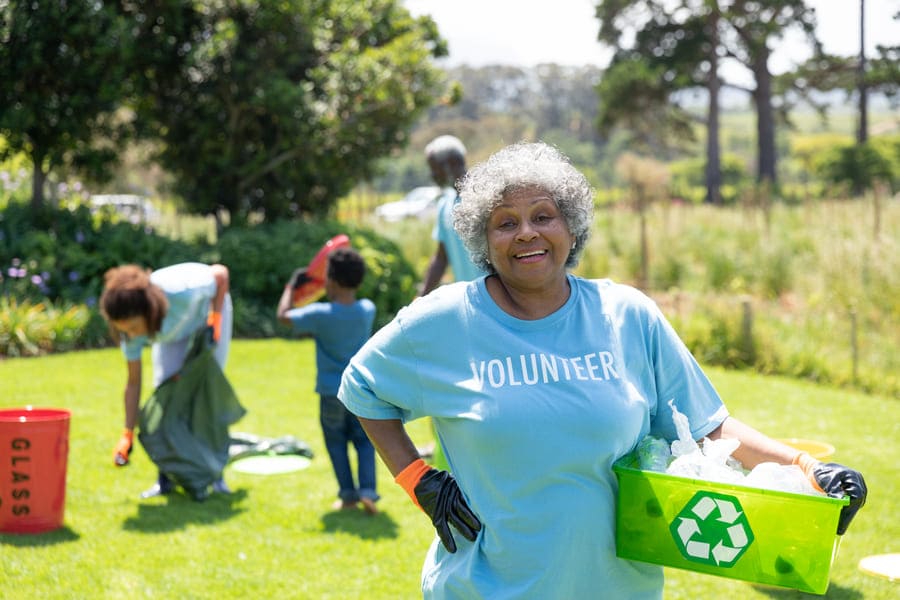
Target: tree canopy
{"x": 275, "y": 107}
{"x": 61, "y": 79}
{"x": 680, "y": 44}
{"x": 280, "y": 107}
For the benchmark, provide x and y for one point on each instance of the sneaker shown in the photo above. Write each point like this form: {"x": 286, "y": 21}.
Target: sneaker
{"x": 220, "y": 487}
{"x": 158, "y": 489}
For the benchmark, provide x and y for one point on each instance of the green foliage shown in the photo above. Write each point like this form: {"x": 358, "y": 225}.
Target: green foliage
{"x": 69, "y": 250}
{"x": 669, "y": 273}
{"x": 262, "y": 258}
{"x": 805, "y": 269}
{"x": 28, "y": 329}
{"x": 859, "y": 165}
{"x": 63, "y": 73}
{"x": 280, "y": 107}
{"x": 60, "y": 255}
{"x": 714, "y": 335}
{"x": 15, "y": 179}
{"x": 636, "y": 96}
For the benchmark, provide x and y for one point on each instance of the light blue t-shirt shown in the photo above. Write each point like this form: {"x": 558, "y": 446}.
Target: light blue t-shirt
{"x": 457, "y": 254}
{"x": 339, "y": 330}
{"x": 532, "y": 415}
{"x": 189, "y": 288}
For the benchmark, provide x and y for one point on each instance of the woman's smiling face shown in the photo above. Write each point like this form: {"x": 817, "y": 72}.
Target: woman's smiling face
{"x": 529, "y": 240}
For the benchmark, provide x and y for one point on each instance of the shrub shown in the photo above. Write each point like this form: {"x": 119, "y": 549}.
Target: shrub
{"x": 262, "y": 258}
{"x": 57, "y": 257}
{"x": 28, "y": 329}
{"x": 71, "y": 249}
{"x": 859, "y": 165}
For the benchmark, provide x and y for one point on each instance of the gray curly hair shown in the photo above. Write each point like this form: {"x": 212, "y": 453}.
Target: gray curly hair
{"x": 515, "y": 167}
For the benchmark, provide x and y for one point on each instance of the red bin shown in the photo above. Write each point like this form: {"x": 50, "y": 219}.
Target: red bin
{"x": 34, "y": 450}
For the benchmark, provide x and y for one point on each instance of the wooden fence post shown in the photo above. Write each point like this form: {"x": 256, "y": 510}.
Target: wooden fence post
{"x": 748, "y": 350}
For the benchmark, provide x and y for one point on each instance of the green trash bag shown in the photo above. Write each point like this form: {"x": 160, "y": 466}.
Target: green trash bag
{"x": 243, "y": 445}
{"x": 183, "y": 426}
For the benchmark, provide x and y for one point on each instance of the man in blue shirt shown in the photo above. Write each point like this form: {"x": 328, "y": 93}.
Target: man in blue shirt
{"x": 446, "y": 156}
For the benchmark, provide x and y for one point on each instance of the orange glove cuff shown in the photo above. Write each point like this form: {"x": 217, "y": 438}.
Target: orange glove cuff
{"x": 409, "y": 477}
{"x": 806, "y": 462}
{"x": 214, "y": 320}
{"x": 123, "y": 447}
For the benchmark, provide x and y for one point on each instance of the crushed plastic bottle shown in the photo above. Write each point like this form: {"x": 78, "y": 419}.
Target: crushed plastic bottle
{"x": 654, "y": 454}
{"x": 786, "y": 478}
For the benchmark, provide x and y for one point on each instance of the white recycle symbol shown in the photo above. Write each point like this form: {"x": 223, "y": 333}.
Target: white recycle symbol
{"x": 712, "y": 545}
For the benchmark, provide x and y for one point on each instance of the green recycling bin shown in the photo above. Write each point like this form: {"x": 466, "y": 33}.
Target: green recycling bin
{"x": 764, "y": 536}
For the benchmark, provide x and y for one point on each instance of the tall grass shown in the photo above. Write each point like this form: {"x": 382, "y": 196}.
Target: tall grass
{"x": 824, "y": 289}
{"x": 810, "y": 272}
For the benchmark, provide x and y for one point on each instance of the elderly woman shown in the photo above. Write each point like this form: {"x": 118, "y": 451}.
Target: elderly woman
{"x": 537, "y": 381}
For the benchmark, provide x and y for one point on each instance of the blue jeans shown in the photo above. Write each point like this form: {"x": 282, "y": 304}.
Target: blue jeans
{"x": 340, "y": 428}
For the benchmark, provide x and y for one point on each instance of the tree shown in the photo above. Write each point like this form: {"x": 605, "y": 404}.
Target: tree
{"x": 61, "y": 74}
{"x": 667, "y": 36}
{"x": 750, "y": 27}
{"x": 280, "y": 106}
{"x": 862, "y": 131}
{"x": 862, "y": 76}
{"x": 672, "y": 51}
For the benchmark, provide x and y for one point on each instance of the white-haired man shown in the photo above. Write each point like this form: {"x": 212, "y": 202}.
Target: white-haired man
{"x": 446, "y": 156}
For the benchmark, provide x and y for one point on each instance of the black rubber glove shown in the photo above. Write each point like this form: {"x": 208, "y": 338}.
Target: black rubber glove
{"x": 298, "y": 278}
{"x": 838, "y": 481}
{"x": 440, "y": 498}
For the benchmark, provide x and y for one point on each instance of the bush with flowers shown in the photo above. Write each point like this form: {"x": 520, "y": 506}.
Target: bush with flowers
{"x": 52, "y": 263}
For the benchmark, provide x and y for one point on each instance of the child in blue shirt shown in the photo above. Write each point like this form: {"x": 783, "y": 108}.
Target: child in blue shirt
{"x": 340, "y": 327}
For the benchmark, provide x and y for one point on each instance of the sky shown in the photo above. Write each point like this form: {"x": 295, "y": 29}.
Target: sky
{"x": 529, "y": 32}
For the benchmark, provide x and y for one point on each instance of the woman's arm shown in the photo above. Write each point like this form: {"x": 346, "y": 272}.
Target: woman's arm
{"x": 755, "y": 447}
{"x": 220, "y": 274}
{"x": 132, "y": 393}
{"x": 393, "y": 444}
{"x": 214, "y": 318}
{"x": 834, "y": 479}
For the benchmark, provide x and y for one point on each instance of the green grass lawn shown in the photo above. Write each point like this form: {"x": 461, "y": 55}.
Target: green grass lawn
{"x": 276, "y": 536}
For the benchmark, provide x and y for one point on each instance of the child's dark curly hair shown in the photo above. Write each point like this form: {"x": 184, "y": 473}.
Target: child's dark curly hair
{"x": 346, "y": 267}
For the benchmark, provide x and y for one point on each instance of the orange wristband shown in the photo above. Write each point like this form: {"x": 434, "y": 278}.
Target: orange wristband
{"x": 806, "y": 462}
{"x": 409, "y": 477}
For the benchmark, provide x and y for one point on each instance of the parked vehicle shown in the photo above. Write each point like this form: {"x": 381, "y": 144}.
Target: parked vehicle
{"x": 136, "y": 209}
{"x": 419, "y": 203}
